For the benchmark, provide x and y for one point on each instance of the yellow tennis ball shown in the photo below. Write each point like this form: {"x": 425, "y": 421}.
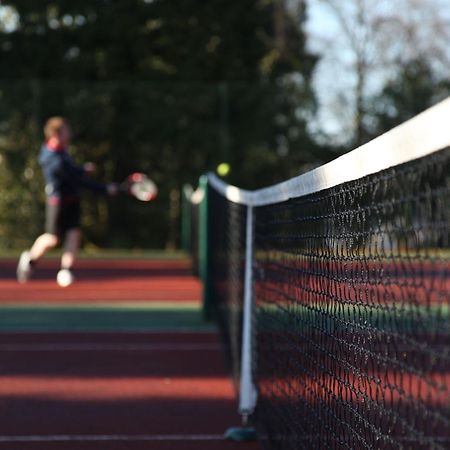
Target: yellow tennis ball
{"x": 223, "y": 169}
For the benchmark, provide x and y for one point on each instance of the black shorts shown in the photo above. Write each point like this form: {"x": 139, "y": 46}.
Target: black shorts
{"x": 60, "y": 217}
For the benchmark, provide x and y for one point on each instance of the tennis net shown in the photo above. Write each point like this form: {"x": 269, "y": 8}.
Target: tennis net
{"x": 332, "y": 294}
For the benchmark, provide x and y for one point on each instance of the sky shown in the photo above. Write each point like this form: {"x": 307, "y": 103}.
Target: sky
{"x": 321, "y": 27}
{"x": 334, "y": 78}
{"x": 8, "y": 18}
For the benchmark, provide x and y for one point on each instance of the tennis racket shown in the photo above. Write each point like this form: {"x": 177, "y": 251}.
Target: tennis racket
{"x": 139, "y": 186}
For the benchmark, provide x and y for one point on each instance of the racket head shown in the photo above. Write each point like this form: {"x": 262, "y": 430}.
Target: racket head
{"x": 141, "y": 187}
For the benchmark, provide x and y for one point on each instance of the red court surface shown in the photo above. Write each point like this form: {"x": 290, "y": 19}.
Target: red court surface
{"x": 115, "y": 391}
{"x": 106, "y": 280}
{"x": 130, "y": 390}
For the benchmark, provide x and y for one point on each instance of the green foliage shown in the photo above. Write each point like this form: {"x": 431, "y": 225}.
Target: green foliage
{"x": 414, "y": 89}
{"x": 171, "y": 88}
{"x": 168, "y": 87}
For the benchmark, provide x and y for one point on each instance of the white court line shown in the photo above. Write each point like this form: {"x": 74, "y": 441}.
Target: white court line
{"x": 208, "y": 330}
{"x": 112, "y": 437}
{"x": 106, "y": 347}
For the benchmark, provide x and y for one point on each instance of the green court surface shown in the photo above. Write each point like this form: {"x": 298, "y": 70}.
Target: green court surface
{"x": 117, "y": 317}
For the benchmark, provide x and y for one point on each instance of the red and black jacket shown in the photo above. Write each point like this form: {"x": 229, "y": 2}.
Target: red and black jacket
{"x": 63, "y": 178}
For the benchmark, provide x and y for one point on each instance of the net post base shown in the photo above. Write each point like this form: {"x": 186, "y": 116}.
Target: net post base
{"x": 240, "y": 434}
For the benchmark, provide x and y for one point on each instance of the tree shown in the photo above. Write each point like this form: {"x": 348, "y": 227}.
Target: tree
{"x": 371, "y": 43}
{"x": 168, "y": 87}
{"x": 414, "y": 89}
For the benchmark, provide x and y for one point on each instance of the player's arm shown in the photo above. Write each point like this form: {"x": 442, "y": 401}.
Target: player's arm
{"x": 80, "y": 175}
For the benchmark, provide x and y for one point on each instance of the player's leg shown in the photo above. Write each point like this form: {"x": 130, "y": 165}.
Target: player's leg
{"x": 71, "y": 246}
{"x": 41, "y": 245}
{"x": 29, "y": 258}
{"x": 71, "y": 224}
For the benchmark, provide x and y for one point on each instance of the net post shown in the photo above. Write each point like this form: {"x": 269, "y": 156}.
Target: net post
{"x": 248, "y": 393}
{"x": 186, "y": 206}
{"x": 203, "y": 253}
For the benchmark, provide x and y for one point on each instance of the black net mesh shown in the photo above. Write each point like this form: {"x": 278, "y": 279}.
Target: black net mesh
{"x": 351, "y": 295}
{"x": 226, "y": 270}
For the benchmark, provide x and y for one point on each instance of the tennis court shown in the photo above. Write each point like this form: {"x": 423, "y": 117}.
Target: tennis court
{"x": 120, "y": 360}
{"x": 225, "y": 225}
{"x": 332, "y": 293}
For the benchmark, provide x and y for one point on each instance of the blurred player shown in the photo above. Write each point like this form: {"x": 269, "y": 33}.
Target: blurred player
{"x": 63, "y": 183}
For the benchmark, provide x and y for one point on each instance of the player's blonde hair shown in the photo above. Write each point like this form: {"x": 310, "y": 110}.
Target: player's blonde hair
{"x": 53, "y": 126}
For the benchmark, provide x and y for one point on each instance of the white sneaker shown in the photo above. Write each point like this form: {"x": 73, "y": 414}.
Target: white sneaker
{"x": 24, "y": 268}
{"x": 65, "y": 277}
